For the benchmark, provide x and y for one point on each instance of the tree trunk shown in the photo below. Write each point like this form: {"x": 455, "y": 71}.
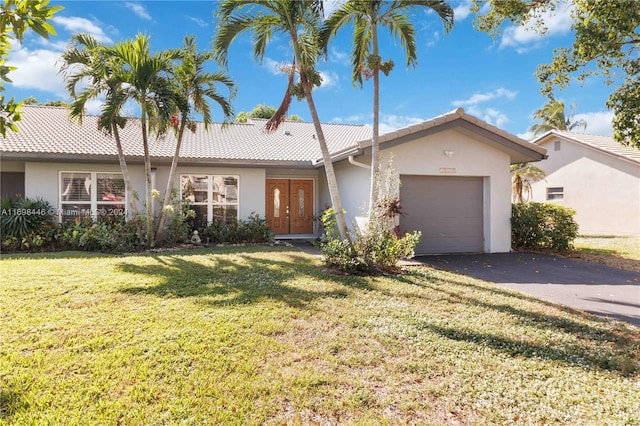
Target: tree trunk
{"x": 375, "y": 143}
{"x": 127, "y": 179}
{"x": 172, "y": 172}
{"x": 332, "y": 182}
{"x": 147, "y": 169}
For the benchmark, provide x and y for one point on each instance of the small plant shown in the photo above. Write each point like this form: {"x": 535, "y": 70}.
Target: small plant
{"x": 542, "y": 226}
{"x": 254, "y": 230}
{"x": 178, "y": 229}
{"x": 26, "y": 224}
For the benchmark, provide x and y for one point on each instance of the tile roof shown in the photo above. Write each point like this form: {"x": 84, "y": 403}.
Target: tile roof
{"x": 48, "y": 130}
{"x": 527, "y": 151}
{"x": 602, "y": 143}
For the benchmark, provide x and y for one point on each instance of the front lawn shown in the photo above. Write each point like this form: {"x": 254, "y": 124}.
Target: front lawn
{"x": 618, "y": 252}
{"x": 262, "y": 335}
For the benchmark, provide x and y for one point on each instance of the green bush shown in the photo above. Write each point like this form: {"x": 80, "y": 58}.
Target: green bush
{"x": 26, "y": 224}
{"x": 106, "y": 235}
{"x": 178, "y": 228}
{"x": 252, "y": 231}
{"x": 542, "y": 226}
{"x": 376, "y": 249}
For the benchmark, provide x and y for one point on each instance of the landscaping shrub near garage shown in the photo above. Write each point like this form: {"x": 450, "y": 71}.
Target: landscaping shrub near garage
{"x": 378, "y": 248}
{"x": 542, "y": 226}
{"x": 26, "y": 224}
{"x": 251, "y": 231}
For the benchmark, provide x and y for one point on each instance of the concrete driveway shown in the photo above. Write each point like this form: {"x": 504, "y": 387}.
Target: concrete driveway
{"x": 598, "y": 289}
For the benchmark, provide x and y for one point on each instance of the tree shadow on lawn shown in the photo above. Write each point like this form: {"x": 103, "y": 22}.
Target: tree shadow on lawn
{"x": 244, "y": 280}
{"x": 622, "y": 344}
{"x": 10, "y": 404}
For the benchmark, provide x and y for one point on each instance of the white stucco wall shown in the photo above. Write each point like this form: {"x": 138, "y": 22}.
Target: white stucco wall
{"x": 603, "y": 190}
{"x": 425, "y": 156}
{"x": 42, "y": 179}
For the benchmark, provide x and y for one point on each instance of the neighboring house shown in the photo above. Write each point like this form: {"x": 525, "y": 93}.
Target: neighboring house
{"x": 594, "y": 175}
{"x": 454, "y": 169}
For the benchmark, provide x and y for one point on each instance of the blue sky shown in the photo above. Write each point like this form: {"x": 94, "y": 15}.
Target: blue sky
{"x": 491, "y": 79}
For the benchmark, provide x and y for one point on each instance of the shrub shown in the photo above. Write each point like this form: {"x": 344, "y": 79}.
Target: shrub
{"x": 106, "y": 234}
{"x": 376, "y": 249}
{"x": 178, "y": 229}
{"x": 542, "y": 226}
{"x": 252, "y": 231}
{"x": 26, "y": 224}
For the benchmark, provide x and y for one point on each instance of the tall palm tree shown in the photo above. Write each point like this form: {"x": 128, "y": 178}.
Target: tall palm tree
{"x": 145, "y": 79}
{"x": 85, "y": 60}
{"x": 522, "y": 176}
{"x": 553, "y": 118}
{"x": 193, "y": 85}
{"x": 366, "y": 17}
{"x": 298, "y": 21}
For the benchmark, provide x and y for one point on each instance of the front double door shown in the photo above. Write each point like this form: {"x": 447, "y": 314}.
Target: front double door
{"x": 290, "y": 206}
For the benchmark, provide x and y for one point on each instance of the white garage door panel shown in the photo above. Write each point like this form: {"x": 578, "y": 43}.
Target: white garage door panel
{"x": 447, "y": 210}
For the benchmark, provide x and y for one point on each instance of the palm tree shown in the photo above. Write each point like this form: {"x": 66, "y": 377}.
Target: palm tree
{"x": 145, "y": 78}
{"x": 553, "y": 118}
{"x": 87, "y": 60}
{"x": 193, "y": 85}
{"x": 298, "y": 21}
{"x": 522, "y": 176}
{"x": 366, "y": 16}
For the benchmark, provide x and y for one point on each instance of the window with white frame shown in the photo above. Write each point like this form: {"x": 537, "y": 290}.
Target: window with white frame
{"x": 214, "y": 198}
{"x": 555, "y": 193}
{"x": 91, "y": 194}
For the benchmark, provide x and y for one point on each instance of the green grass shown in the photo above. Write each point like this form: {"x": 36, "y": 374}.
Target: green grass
{"x": 628, "y": 247}
{"x": 618, "y": 252}
{"x": 263, "y": 335}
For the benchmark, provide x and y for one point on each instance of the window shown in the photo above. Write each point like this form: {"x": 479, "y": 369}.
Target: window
{"x": 556, "y": 145}
{"x": 214, "y": 198}
{"x": 91, "y": 194}
{"x": 556, "y": 193}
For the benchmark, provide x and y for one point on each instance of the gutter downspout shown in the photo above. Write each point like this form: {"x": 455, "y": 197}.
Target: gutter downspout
{"x": 357, "y": 163}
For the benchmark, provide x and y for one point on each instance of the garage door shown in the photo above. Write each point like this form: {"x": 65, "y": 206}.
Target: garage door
{"x": 446, "y": 209}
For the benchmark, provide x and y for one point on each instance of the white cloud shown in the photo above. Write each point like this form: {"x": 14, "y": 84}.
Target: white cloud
{"x": 490, "y": 115}
{"x": 598, "y": 123}
{"x": 75, "y": 24}
{"x": 274, "y": 67}
{"x": 198, "y": 21}
{"x": 337, "y": 56}
{"x": 477, "y": 98}
{"x": 522, "y": 38}
{"x": 329, "y": 79}
{"x": 139, "y": 10}
{"x": 462, "y": 11}
{"x": 391, "y": 122}
{"x": 388, "y": 122}
{"x": 331, "y": 5}
{"x": 434, "y": 39}
{"x": 36, "y": 69}
{"x": 358, "y": 118}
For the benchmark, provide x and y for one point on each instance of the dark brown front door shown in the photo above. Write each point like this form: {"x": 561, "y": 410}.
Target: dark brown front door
{"x": 290, "y": 206}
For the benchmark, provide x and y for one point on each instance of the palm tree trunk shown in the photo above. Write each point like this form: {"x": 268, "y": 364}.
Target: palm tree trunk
{"x": 125, "y": 170}
{"x": 147, "y": 169}
{"x": 172, "y": 172}
{"x": 375, "y": 144}
{"x": 127, "y": 179}
{"x": 332, "y": 182}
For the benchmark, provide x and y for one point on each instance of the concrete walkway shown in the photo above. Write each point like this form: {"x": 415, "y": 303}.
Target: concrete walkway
{"x": 594, "y": 288}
